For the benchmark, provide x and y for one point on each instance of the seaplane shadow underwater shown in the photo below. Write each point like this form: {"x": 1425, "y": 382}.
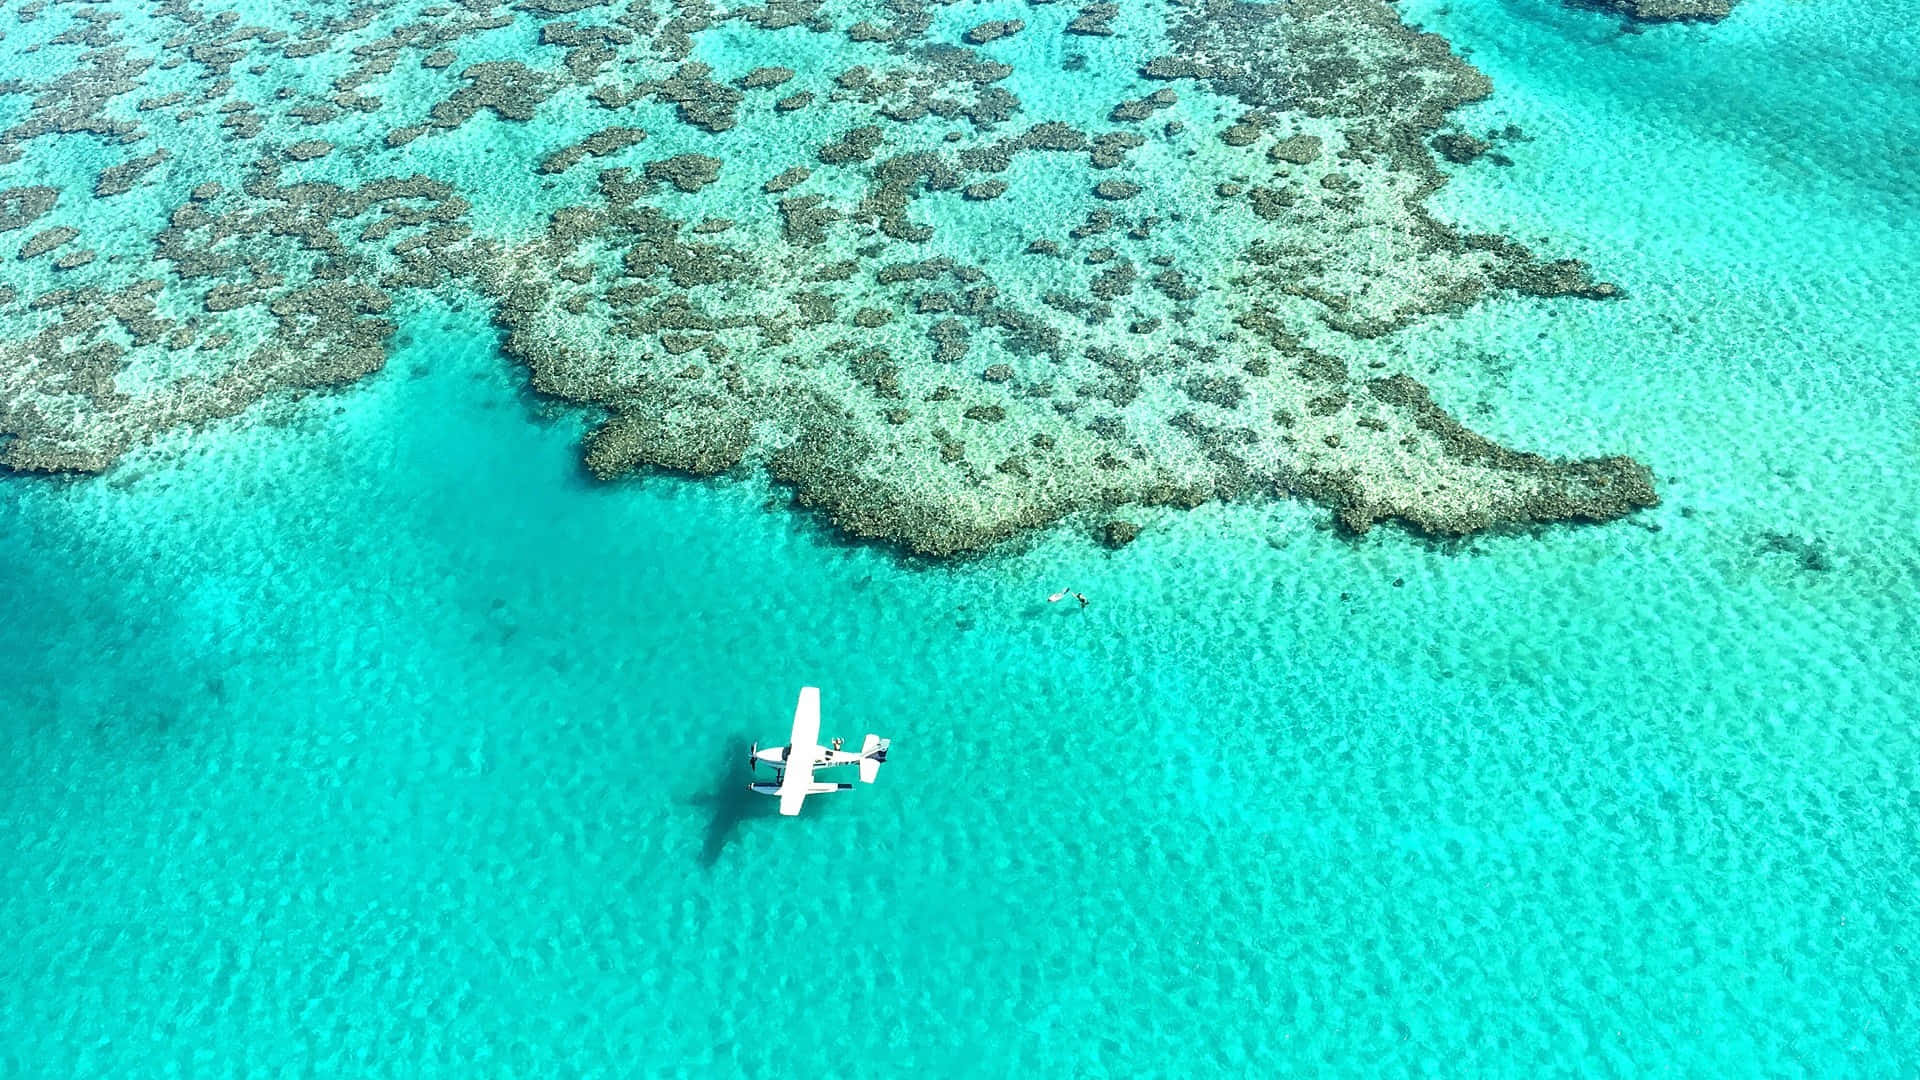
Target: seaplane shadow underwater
{"x": 795, "y": 762}
{"x": 729, "y": 805}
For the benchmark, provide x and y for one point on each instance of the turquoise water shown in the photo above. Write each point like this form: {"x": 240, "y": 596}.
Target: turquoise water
{"x": 368, "y": 736}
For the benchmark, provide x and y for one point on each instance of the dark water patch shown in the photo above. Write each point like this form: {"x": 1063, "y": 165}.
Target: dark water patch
{"x": 1808, "y": 552}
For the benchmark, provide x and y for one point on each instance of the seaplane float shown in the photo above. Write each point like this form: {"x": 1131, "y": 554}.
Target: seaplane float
{"x": 795, "y": 762}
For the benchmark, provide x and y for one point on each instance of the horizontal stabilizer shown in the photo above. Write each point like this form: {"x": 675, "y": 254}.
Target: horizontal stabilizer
{"x": 873, "y": 754}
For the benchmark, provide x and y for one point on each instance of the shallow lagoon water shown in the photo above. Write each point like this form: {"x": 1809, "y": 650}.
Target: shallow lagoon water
{"x": 368, "y": 735}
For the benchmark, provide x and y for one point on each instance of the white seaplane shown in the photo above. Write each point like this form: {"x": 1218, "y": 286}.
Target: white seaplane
{"x": 794, "y": 763}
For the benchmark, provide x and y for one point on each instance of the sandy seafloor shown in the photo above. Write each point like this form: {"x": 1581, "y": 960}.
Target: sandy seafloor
{"x": 379, "y": 741}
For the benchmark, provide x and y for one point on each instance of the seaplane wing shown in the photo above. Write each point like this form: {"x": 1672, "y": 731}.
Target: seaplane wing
{"x": 792, "y": 795}
{"x": 804, "y": 741}
{"x": 806, "y": 719}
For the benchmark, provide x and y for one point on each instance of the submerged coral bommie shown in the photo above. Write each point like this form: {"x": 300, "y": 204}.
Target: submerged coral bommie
{"x": 817, "y": 258}
{"x": 1663, "y": 10}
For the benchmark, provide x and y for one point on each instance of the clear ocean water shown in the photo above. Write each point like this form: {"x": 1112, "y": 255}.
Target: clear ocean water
{"x": 369, "y": 737}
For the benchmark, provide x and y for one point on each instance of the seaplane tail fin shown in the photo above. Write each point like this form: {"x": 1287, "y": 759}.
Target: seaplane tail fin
{"x": 873, "y": 754}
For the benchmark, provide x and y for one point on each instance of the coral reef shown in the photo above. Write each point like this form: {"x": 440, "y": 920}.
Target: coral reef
{"x": 1663, "y": 10}
{"x": 838, "y": 270}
